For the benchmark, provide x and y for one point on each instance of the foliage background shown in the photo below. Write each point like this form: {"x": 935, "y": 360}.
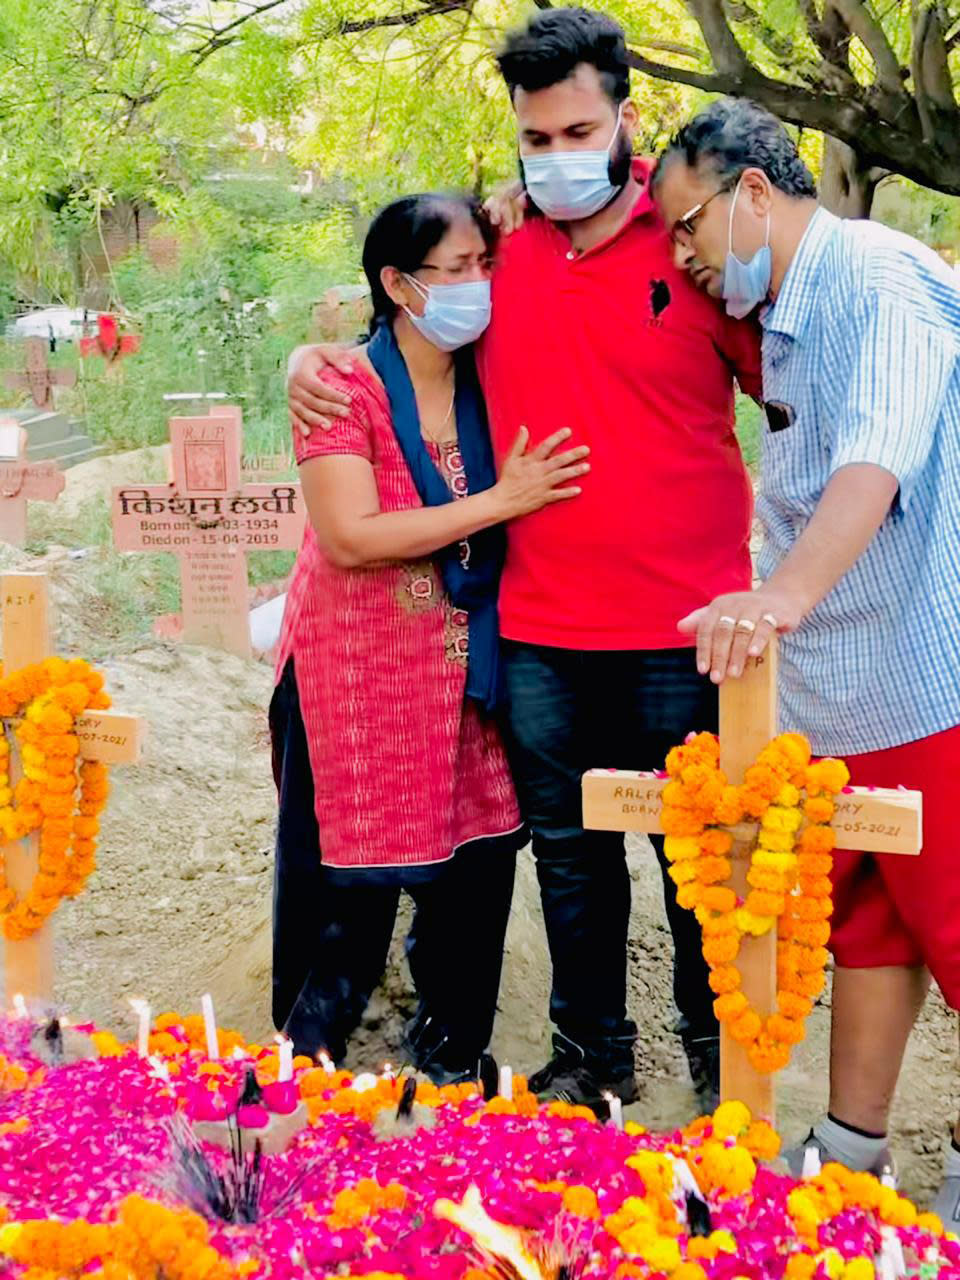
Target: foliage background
{"x": 261, "y": 135}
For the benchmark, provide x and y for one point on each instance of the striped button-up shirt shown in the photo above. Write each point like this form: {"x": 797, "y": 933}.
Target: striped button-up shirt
{"x": 861, "y": 364}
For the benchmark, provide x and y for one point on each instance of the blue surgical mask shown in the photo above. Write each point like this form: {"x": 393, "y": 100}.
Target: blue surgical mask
{"x": 746, "y": 284}
{"x": 569, "y": 185}
{"x": 455, "y": 314}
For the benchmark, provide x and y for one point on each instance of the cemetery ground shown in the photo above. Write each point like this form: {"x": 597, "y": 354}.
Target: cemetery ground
{"x": 180, "y": 903}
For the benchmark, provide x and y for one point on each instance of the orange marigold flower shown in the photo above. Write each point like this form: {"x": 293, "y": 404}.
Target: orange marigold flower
{"x": 724, "y": 979}
{"x": 747, "y": 1027}
{"x": 717, "y": 898}
{"x": 730, "y": 1005}
{"x": 793, "y": 1006}
{"x": 717, "y": 951}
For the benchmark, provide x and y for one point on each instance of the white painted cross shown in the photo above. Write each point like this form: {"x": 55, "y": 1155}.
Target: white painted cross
{"x": 869, "y": 819}
{"x": 37, "y": 377}
{"x": 210, "y": 519}
{"x": 21, "y": 480}
{"x": 109, "y": 736}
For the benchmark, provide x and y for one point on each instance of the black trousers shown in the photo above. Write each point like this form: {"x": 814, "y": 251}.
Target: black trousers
{"x": 569, "y": 711}
{"x": 332, "y": 927}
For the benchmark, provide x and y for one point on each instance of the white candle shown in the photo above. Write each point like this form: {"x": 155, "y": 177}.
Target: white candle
{"x": 506, "y": 1082}
{"x": 20, "y": 1006}
{"x": 286, "y": 1059}
{"x": 142, "y": 1010}
{"x": 326, "y": 1062}
{"x": 210, "y": 1025}
{"x": 812, "y": 1163}
{"x": 616, "y": 1110}
{"x": 388, "y": 1070}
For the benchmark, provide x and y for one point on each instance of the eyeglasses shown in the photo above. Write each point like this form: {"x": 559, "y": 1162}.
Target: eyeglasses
{"x": 687, "y": 223}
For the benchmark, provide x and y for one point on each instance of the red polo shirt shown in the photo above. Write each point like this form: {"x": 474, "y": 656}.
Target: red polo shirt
{"x": 619, "y": 345}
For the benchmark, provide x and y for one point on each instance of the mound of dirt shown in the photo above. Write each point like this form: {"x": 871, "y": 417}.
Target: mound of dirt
{"x": 180, "y": 904}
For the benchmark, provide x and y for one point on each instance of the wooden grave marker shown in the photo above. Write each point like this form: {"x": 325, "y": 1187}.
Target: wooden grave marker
{"x": 21, "y": 481}
{"x": 109, "y": 736}
{"x": 210, "y": 518}
{"x": 37, "y": 377}
{"x": 871, "y": 819}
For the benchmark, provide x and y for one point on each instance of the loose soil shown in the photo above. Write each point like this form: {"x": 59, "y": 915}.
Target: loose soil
{"x": 180, "y": 904}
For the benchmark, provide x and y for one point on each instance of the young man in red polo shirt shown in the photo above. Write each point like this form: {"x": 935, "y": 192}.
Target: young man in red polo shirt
{"x": 594, "y": 328}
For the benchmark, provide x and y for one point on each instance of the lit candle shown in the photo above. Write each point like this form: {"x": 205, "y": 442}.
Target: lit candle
{"x": 326, "y": 1062}
{"x": 388, "y": 1071}
{"x": 285, "y": 1071}
{"x": 615, "y": 1106}
{"x": 142, "y": 1010}
{"x": 210, "y": 1025}
{"x": 20, "y": 1006}
{"x": 506, "y": 1082}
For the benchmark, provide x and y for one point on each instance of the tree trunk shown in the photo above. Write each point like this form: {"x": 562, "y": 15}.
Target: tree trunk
{"x": 847, "y": 184}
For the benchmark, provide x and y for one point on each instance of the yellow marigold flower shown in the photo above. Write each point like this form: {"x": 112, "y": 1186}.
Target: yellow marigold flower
{"x": 860, "y": 1268}
{"x": 680, "y": 848}
{"x": 723, "y": 1241}
{"x": 731, "y": 1119}
{"x": 832, "y": 1262}
{"x": 662, "y": 1254}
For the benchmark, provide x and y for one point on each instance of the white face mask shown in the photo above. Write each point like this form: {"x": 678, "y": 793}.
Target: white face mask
{"x": 455, "y": 314}
{"x": 746, "y": 284}
{"x": 569, "y": 185}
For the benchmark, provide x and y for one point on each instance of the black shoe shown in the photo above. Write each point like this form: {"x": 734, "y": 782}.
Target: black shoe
{"x": 581, "y": 1087}
{"x": 703, "y": 1059}
{"x": 570, "y": 1077}
{"x": 483, "y": 1072}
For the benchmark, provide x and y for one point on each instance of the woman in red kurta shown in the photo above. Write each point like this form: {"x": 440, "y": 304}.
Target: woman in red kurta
{"x": 389, "y": 765}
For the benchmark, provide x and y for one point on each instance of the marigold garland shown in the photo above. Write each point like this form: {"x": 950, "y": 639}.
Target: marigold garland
{"x": 57, "y": 797}
{"x": 789, "y": 877}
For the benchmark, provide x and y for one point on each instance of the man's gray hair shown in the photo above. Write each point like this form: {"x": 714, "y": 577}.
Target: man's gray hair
{"x": 735, "y": 134}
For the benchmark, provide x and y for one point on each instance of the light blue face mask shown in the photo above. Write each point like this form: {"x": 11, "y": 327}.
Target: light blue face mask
{"x": 746, "y": 284}
{"x": 455, "y": 314}
{"x": 569, "y": 185}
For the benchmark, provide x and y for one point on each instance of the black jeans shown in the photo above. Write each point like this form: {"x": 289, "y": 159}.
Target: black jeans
{"x": 332, "y": 927}
{"x": 569, "y": 711}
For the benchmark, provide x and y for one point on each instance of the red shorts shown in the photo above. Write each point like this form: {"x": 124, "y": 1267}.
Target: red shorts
{"x": 892, "y": 909}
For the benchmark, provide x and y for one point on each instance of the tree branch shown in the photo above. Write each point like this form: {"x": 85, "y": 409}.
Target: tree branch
{"x": 219, "y": 37}
{"x": 409, "y": 18}
{"x": 870, "y": 33}
{"x": 728, "y": 57}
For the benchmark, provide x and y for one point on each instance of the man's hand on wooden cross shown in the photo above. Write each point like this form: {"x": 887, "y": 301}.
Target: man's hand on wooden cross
{"x": 738, "y": 626}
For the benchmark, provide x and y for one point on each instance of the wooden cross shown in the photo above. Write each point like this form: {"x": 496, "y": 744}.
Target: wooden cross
{"x": 211, "y": 519}
{"x": 109, "y": 736}
{"x": 38, "y": 378}
{"x": 21, "y": 480}
{"x": 870, "y": 819}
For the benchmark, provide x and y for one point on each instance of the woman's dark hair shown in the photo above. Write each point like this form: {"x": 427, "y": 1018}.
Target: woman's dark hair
{"x": 735, "y": 134}
{"x": 404, "y": 232}
{"x": 555, "y": 42}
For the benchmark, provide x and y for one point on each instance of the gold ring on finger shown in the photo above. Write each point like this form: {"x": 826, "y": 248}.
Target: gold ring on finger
{"x": 746, "y": 626}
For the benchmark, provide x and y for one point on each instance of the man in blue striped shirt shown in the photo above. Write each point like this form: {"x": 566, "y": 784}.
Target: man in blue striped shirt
{"x": 860, "y": 504}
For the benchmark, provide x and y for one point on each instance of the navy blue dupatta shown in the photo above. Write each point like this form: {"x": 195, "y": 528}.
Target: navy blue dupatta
{"x": 473, "y": 585}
